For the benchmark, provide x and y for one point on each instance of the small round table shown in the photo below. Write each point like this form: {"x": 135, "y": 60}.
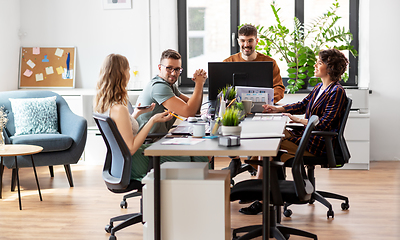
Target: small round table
{"x": 15, "y": 150}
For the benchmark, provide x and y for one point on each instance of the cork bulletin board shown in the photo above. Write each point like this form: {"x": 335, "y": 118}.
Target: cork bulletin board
{"x": 47, "y": 67}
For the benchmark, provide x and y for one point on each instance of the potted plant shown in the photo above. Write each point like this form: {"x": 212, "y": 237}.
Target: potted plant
{"x": 300, "y": 47}
{"x": 230, "y": 122}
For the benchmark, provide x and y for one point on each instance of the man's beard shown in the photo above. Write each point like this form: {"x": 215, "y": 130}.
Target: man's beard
{"x": 247, "y": 53}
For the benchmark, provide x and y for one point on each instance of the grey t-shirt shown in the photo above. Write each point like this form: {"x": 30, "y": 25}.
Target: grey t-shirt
{"x": 157, "y": 91}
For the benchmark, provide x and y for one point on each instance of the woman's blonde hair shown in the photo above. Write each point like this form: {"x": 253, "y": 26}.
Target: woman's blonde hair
{"x": 111, "y": 87}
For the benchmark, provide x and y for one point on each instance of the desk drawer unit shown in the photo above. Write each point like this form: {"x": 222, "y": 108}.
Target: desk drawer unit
{"x": 190, "y": 209}
{"x": 357, "y": 135}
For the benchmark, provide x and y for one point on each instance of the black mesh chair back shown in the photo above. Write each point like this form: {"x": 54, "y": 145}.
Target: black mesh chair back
{"x": 117, "y": 171}
{"x": 117, "y": 165}
{"x": 303, "y": 186}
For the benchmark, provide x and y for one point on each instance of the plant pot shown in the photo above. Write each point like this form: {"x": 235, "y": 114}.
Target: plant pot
{"x": 231, "y": 130}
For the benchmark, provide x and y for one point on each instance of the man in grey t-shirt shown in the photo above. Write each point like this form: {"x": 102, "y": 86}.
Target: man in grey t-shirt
{"x": 165, "y": 94}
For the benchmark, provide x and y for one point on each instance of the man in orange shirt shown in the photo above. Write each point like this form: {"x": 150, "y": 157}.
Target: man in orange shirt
{"x": 247, "y": 42}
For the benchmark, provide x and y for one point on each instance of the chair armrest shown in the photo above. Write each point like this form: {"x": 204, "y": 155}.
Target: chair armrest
{"x": 324, "y": 133}
{"x": 328, "y": 145}
{"x": 295, "y": 126}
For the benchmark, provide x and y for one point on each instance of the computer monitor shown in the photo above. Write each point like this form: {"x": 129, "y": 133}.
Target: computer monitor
{"x": 251, "y": 74}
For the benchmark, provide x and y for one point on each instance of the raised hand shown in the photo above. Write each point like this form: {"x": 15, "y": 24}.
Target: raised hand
{"x": 199, "y": 76}
{"x": 162, "y": 117}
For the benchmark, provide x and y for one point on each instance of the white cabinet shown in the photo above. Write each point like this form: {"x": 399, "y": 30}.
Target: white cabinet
{"x": 193, "y": 209}
{"x": 357, "y": 134}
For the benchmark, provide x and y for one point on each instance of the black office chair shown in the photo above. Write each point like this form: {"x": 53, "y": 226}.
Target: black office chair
{"x": 117, "y": 171}
{"x": 337, "y": 156}
{"x": 298, "y": 191}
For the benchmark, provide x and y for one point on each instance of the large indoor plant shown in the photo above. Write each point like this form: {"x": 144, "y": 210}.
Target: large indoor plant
{"x": 300, "y": 47}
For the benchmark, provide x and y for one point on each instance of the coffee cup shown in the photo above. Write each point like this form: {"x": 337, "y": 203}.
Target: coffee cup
{"x": 199, "y": 130}
{"x": 247, "y": 105}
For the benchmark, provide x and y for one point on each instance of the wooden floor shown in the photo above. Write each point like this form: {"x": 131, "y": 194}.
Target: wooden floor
{"x": 82, "y": 212}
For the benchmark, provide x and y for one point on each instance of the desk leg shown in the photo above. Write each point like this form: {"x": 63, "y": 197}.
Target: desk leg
{"x": 266, "y": 193}
{"x": 1, "y": 177}
{"x": 19, "y": 191}
{"x": 37, "y": 181}
{"x": 157, "y": 198}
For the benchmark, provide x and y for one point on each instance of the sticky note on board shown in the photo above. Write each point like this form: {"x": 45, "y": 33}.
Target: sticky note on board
{"x": 60, "y": 70}
{"x": 39, "y": 77}
{"x": 49, "y": 70}
{"x": 28, "y": 73}
{"x": 30, "y": 63}
{"x": 36, "y": 50}
{"x": 59, "y": 52}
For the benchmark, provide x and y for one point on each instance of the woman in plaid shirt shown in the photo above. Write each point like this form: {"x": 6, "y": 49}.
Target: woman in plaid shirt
{"x": 327, "y": 100}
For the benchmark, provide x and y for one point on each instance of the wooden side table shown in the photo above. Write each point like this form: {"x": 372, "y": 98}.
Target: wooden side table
{"x": 15, "y": 150}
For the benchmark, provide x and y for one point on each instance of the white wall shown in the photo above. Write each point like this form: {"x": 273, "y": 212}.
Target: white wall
{"x": 384, "y": 62}
{"x": 9, "y": 44}
{"x": 95, "y": 32}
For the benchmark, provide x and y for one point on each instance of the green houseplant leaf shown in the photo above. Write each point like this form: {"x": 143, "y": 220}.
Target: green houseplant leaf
{"x": 300, "y": 47}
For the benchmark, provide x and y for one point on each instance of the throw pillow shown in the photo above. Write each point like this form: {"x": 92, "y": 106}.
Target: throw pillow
{"x": 34, "y": 115}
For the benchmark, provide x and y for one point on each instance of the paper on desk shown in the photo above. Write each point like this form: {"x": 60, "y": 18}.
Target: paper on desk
{"x": 182, "y": 141}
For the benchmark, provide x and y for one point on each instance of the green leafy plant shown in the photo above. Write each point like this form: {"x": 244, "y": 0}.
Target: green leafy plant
{"x": 231, "y": 117}
{"x": 229, "y": 92}
{"x": 300, "y": 47}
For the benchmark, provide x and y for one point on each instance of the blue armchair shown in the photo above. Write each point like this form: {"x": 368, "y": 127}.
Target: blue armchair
{"x": 64, "y": 148}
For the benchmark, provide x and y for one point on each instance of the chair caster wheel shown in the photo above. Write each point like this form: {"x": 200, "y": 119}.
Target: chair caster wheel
{"x": 287, "y": 213}
{"x": 311, "y": 201}
{"x": 232, "y": 182}
{"x": 330, "y": 213}
{"x": 112, "y": 237}
{"x": 123, "y": 204}
{"x": 287, "y": 236}
{"x": 253, "y": 173}
{"x": 108, "y": 228}
{"x": 345, "y": 206}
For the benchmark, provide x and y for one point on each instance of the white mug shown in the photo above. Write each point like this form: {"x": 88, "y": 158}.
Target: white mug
{"x": 247, "y": 105}
{"x": 199, "y": 130}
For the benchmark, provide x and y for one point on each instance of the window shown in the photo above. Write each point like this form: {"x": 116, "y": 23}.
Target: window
{"x": 208, "y": 28}
{"x": 203, "y": 35}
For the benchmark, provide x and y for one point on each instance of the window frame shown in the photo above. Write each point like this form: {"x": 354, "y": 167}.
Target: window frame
{"x": 235, "y": 21}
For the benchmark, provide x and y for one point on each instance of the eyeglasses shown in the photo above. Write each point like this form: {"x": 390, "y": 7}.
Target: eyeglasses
{"x": 170, "y": 69}
{"x": 249, "y": 41}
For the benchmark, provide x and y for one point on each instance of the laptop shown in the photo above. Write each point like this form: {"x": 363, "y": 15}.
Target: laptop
{"x": 187, "y": 130}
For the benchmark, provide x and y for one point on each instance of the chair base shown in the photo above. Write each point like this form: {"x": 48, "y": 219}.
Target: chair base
{"x": 124, "y": 203}
{"x": 128, "y": 220}
{"x": 277, "y": 230}
{"x": 321, "y": 196}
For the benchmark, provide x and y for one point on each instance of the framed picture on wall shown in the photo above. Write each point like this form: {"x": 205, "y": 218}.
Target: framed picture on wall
{"x": 117, "y": 4}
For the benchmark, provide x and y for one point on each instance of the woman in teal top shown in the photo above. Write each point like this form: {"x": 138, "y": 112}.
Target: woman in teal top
{"x": 112, "y": 99}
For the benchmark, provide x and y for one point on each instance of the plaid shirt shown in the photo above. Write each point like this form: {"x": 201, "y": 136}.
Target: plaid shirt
{"x": 329, "y": 107}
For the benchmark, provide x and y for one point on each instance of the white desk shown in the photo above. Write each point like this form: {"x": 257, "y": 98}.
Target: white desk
{"x": 249, "y": 147}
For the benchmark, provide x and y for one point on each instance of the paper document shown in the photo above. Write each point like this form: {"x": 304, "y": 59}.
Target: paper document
{"x": 182, "y": 141}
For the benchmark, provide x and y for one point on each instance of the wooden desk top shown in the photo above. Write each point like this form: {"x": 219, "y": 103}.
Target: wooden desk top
{"x": 19, "y": 150}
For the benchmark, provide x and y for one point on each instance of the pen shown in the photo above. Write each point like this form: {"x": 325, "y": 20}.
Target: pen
{"x": 231, "y": 102}
{"x": 174, "y": 115}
